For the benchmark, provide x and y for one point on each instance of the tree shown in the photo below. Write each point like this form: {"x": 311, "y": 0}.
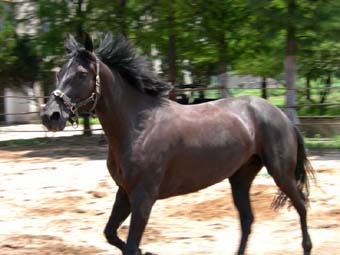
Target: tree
{"x": 156, "y": 25}
{"x": 8, "y": 40}
{"x": 262, "y": 55}
{"x": 319, "y": 51}
{"x": 19, "y": 61}
{"x": 217, "y": 36}
{"x": 300, "y": 21}
{"x": 17, "y": 52}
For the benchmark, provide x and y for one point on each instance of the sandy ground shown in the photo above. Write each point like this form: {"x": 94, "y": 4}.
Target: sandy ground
{"x": 56, "y": 199}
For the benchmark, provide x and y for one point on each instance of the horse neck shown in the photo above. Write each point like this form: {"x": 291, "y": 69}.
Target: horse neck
{"x": 119, "y": 107}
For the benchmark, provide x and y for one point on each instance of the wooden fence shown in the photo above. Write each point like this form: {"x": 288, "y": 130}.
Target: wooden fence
{"x": 323, "y": 126}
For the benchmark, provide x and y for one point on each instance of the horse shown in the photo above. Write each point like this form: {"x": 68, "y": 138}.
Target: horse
{"x": 158, "y": 148}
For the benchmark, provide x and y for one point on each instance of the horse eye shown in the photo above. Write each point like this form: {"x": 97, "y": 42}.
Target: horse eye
{"x": 83, "y": 74}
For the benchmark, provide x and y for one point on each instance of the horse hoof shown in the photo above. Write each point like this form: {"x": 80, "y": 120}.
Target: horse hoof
{"x": 139, "y": 252}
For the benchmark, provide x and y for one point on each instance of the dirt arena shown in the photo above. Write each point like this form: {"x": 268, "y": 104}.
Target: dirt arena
{"x": 56, "y": 199}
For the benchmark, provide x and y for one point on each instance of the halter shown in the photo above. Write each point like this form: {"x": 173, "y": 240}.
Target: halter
{"x": 73, "y": 107}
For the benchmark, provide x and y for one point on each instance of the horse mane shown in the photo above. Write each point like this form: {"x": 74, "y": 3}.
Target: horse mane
{"x": 118, "y": 55}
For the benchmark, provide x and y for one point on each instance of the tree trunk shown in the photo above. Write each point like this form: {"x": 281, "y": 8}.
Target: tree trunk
{"x": 222, "y": 65}
{"x": 308, "y": 92}
{"x": 324, "y": 93}
{"x": 290, "y": 64}
{"x": 172, "y": 70}
{"x": 2, "y": 104}
{"x": 121, "y": 16}
{"x": 79, "y": 25}
{"x": 264, "y": 87}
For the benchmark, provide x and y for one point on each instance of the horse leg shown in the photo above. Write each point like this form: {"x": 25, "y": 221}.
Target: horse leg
{"x": 283, "y": 174}
{"x": 141, "y": 202}
{"x": 240, "y": 185}
{"x": 120, "y": 211}
{"x": 289, "y": 188}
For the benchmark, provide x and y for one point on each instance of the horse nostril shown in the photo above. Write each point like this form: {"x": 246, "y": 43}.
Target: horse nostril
{"x": 55, "y": 116}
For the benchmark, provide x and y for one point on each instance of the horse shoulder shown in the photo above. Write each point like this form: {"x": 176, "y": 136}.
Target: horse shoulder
{"x": 143, "y": 158}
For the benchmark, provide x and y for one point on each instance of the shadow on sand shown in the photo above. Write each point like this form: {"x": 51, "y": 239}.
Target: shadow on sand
{"x": 92, "y": 147}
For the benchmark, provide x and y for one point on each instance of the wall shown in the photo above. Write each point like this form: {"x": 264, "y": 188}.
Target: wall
{"x": 14, "y": 103}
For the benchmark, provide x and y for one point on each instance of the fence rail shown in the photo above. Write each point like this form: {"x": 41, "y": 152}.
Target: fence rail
{"x": 18, "y": 113}
{"x": 44, "y": 131}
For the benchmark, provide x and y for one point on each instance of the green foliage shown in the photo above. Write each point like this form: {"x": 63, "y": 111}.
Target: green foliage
{"x": 319, "y": 50}
{"x": 209, "y": 37}
{"x": 18, "y": 57}
{"x": 7, "y": 39}
{"x": 316, "y": 89}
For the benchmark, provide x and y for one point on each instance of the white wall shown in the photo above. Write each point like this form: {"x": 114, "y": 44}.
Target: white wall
{"x": 22, "y": 105}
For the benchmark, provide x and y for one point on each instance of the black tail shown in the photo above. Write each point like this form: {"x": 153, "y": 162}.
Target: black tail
{"x": 303, "y": 172}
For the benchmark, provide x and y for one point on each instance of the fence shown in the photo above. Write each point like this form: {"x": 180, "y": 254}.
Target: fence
{"x": 311, "y": 125}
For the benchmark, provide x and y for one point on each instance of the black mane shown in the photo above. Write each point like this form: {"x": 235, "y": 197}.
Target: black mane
{"x": 120, "y": 56}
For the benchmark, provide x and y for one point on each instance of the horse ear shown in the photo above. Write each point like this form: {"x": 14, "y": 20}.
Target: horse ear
{"x": 70, "y": 43}
{"x": 88, "y": 43}
{"x": 105, "y": 41}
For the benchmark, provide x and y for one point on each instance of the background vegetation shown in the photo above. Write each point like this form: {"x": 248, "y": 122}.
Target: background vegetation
{"x": 290, "y": 40}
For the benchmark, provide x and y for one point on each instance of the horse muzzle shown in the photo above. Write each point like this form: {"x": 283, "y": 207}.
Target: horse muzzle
{"x": 53, "y": 116}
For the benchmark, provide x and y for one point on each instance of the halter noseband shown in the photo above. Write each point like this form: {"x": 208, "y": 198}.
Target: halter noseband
{"x": 73, "y": 107}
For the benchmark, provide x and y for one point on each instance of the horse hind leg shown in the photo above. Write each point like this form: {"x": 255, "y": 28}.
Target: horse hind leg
{"x": 291, "y": 189}
{"x": 120, "y": 211}
{"x": 240, "y": 183}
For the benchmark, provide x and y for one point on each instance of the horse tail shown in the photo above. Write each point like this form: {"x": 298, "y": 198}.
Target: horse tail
{"x": 304, "y": 170}
{"x": 303, "y": 173}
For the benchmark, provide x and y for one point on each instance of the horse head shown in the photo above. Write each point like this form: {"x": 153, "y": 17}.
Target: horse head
{"x": 77, "y": 87}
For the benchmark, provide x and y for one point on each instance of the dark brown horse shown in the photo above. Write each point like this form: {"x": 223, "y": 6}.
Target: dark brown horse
{"x": 159, "y": 148}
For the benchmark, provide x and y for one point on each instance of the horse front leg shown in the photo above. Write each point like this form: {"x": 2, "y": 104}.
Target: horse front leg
{"x": 120, "y": 211}
{"x": 240, "y": 185}
{"x": 141, "y": 202}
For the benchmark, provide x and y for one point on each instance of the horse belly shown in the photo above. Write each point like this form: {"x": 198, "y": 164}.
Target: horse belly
{"x": 194, "y": 171}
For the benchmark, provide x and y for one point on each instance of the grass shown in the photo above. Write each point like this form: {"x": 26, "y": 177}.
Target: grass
{"x": 93, "y": 121}
{"x": 317, "y": 143}
{"x": 277, "y": 97}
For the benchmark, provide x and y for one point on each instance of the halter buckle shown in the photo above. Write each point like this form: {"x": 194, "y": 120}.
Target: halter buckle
{"x": 73, "y": 109}
{"x": 58, "y": 93}
{"x": 75, "y": 124}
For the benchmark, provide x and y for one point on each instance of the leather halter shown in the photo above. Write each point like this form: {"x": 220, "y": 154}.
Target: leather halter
{"x": 73, "y": 107}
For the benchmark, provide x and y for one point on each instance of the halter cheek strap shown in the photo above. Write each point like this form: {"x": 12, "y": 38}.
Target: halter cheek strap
{"x": 73, "y": 107}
